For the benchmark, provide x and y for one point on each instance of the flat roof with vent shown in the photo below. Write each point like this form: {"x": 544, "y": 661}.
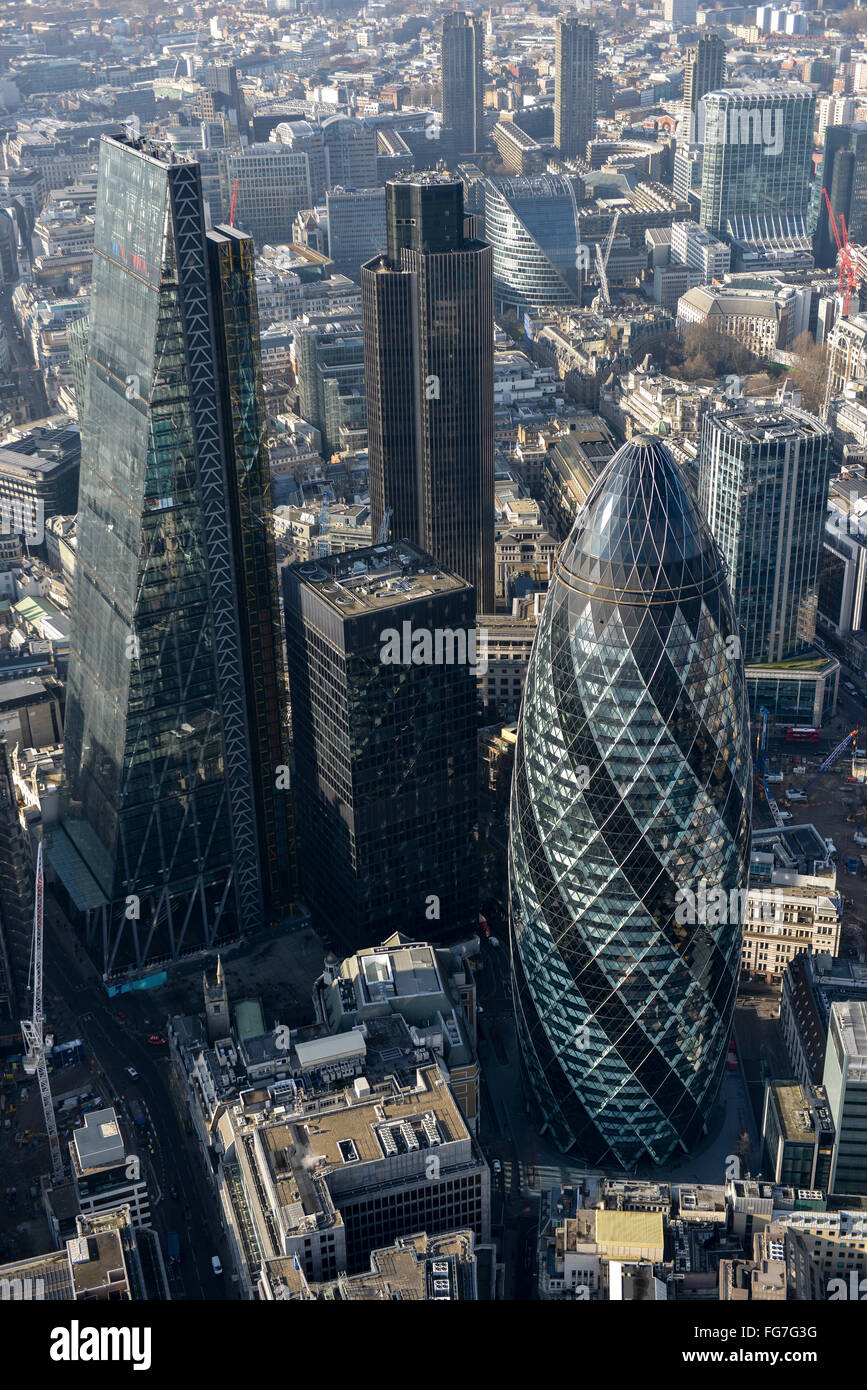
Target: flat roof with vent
{"x": 376, "y": 577}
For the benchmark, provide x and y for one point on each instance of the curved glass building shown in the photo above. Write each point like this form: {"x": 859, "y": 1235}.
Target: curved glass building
{"x": 530, "y": 223}
{"x": 632, "y": 786}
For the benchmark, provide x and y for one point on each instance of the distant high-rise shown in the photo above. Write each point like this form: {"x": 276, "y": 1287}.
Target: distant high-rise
{"x": 763, "y": 485}
{"x": 758, "y": 144}
{"x": 177, "y": 831}
{"x": 631, "y": 797}
{"x": 329, "y": 368}
{"x": 222, "y": 94}
{"x": 383, "y": 687}
{"x": 844, "y": 175}
{"x": 575, "y": 87}
{"x": 463, "y": 80}
{"x": 704, "y": 71}
{"x": 428, "y": 308}
{"x": 350, "y": 153}
{"x": 273, "y": 184}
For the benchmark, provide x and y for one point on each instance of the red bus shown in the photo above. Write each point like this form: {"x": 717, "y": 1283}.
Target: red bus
{"x": 801, "y": 735}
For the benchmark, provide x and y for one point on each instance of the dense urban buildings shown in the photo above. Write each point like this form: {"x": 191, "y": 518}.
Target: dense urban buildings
{"x": 844, "y": 177}
{"x": 433, "y": 662}
{"x": 624, "y": 1013}
{"x": 530, "y": 225}
{"x": 428, "y": 358}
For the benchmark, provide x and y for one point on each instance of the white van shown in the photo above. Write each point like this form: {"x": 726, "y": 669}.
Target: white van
{"x": 215, "y": 1264}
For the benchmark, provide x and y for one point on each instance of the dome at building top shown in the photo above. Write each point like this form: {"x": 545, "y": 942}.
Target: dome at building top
{"x": 640, "y": 536}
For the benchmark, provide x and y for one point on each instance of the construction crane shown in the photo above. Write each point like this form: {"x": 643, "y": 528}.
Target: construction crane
{"x": 832, "y": 758}
{"x": 602, "y": 262}
{"x": 33, "y": 1029}
{"x": 384, "y": 528}
{"x": 847, "y": 281}
{"x": 762, "y": 772}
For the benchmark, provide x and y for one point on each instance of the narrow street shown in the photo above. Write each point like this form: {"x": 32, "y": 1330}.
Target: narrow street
{"x": 172, "y": 1156}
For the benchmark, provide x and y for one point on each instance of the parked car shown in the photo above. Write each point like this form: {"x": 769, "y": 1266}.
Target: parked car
{"x": 131, "y": 1073}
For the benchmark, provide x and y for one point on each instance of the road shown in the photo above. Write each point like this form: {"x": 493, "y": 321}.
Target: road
{"x": 29, "y": 379}
{"x": 78, "y": 1005}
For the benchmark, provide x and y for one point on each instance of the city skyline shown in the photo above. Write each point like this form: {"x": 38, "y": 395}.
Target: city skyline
{"x": 433, "y": 668}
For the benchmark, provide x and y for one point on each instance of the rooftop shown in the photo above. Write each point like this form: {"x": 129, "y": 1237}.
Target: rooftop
{"x": 376, "y": 578}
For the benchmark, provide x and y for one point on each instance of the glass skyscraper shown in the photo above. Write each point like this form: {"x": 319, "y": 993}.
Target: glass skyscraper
{"x": 763, "y": 486}
{"x": 175, "y": 834}
{"x": 530, "y": 225}
{"x": 758, "y": 145}
{"x": 632, "y": 785}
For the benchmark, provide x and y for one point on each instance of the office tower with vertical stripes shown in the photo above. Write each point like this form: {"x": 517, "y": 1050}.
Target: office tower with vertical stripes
{"x": 575, "y": 61}
{"x": 704, "y": 71}
{"x": 463, "y": 80}
{"x": 427, "y": 317}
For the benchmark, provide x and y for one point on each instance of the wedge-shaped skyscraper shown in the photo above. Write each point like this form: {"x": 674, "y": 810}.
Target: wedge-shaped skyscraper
{"x": 177, "y": 832}
{"x": 631, "y": 788}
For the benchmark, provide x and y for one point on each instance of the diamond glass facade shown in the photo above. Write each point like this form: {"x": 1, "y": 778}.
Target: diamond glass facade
{"x": 632, "y": 781}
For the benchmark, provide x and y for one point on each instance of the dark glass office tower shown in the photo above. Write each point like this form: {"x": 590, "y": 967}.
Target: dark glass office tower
{"x": 632, "y": 785}
{"x": 463, "y": 80}
{"x": 383, "y": 685}
{"x": 166, "y": 843}
{"x": 575, "y": 61}
{"x": 428, "y": 314}
{"x": 16, "y": 902}
{"x": 844, "y": 175}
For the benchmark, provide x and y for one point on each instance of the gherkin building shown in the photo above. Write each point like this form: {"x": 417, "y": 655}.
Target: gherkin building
{"x": 632, "y": 785}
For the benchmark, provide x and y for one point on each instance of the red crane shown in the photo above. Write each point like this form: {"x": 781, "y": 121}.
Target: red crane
{"x": 847, "y": 282}
{"x": 234, "y": 204}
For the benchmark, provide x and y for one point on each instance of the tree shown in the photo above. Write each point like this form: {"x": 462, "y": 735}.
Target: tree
{"x": 810, "y": 372}
{"x": 700, "y": 351}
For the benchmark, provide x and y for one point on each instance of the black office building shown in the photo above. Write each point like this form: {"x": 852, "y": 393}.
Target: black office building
{"x": 428, "y": 315}
{"x": 382, "y": 679}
